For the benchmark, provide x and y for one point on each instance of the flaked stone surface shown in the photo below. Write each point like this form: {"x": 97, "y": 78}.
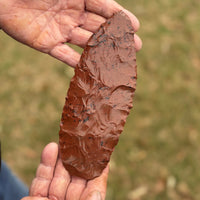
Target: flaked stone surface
{"x": 99, "y": 98}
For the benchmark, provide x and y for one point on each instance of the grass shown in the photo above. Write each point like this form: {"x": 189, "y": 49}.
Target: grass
{"x": 158, "y": 156}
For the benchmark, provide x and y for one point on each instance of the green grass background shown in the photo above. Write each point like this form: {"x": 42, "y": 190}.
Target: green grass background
{"x": 158, "y": 156}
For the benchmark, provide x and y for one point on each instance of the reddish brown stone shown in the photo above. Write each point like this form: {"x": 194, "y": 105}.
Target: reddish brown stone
{"x": 99, "y": 98}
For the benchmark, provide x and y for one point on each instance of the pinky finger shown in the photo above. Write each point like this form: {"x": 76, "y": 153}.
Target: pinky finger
{"x": 97, "y": 185}
{"x": 65, "y": 54}
{"x": 69, "y": 56}
{"x": 138, "y": 42}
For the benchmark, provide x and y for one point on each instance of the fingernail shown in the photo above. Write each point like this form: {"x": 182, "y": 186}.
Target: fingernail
{"x": 96, "y": 195}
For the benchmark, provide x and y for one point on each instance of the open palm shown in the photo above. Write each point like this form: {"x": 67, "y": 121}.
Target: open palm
{"x": 53, "y": 182}
{"x": 47, "y": 25}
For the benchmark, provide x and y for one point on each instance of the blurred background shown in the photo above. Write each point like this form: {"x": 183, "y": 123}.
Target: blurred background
{"x": 158, "y": 156}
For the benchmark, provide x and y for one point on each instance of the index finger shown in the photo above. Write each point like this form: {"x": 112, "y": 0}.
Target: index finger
{"x": 35, "y": 198}
{"x": 107, "y": 8}
{"x": 45, "y": 171}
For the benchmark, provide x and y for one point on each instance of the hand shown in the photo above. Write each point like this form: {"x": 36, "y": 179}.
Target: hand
{"x": 53, "y": 182}
{"x": 46, "y": 25}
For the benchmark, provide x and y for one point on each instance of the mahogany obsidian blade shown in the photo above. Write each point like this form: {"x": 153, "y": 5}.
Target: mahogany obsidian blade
{"x": 99, "y": 98}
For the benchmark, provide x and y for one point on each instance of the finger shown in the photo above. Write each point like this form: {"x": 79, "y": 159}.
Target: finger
{"x": 44, "y": 174}
{"x": 59, "y": 183}
{"x": 138, "y": 42}
{"x": 107, "y": 8}
{"x": 92, "y": 21}
{"x": 96, "y": 186}
{"x": 65, "y": 54}
{"x": 35, "y": 198}
{"x": 79, "y": 37}
{"x": 75, "y": 188}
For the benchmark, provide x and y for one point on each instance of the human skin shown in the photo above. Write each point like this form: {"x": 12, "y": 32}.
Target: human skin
{"x": 47, "y": 25}
{"x": 53, "y": 182}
